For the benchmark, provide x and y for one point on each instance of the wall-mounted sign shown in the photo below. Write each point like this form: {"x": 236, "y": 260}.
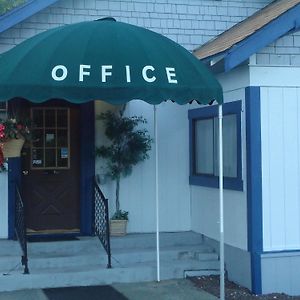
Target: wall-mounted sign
{"x": 36, "y": 162}
{"x": 64, "y": 153}
{"x": 50, "y": 137}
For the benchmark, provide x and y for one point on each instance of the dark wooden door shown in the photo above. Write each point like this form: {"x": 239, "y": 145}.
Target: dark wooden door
{"x": 50, "y": 167}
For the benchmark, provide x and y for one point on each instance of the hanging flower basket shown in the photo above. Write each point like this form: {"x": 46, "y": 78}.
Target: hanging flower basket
{"x": 13, "y": 147}
{"x": 13, "y": 134}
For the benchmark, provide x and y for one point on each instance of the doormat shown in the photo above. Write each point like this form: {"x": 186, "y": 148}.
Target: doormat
{"x": 39, "y": 239}
{"x": 89, "y": 292}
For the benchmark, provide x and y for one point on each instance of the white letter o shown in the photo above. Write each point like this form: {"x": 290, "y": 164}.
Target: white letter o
{"x": 64, "y": 73}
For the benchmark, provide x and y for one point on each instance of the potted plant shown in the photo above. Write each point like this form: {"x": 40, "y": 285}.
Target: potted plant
{"x": 128, "y": 146}
{"x": 13, "y": 134}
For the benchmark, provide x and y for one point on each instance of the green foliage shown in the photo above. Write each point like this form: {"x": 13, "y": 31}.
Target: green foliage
{"x": 120, "y": 215}
{"x": 7, "y": 5}
{"x": 129, "y": 145}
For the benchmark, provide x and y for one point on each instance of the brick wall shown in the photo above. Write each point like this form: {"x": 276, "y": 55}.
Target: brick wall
{"x": 188, "y": 22}
{"x": 285, "y": 51}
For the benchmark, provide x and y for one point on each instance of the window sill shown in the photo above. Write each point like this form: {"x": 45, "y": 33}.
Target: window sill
{"x": 213, "y": 182}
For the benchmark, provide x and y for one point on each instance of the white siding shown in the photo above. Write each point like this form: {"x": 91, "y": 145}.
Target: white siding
{"x": 137, "y": 192}
{"x": 284, "y": 76}
{"x": 205, "y": 201}
{"x": 280, "y": 114}
{"x": 3, "y": 206}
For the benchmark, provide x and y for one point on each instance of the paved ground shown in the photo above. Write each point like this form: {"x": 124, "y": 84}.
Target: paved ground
{"x": 166, "y": 290}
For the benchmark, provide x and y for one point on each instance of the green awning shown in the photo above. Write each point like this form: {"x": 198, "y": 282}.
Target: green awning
{"x": 104, "y": 60}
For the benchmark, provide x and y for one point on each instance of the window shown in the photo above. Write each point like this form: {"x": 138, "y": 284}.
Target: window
{"x": 3, "y": 110}
{"x": 51, "y": 143}
{"x": 204, "y": 146}
{"x": 3, "y": 106}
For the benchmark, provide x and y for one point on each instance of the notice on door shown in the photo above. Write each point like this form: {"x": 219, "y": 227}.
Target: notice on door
{"x": 64, "y": 153}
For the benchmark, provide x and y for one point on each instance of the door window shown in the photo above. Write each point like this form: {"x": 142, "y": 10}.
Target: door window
{"x": 50, "y": 148}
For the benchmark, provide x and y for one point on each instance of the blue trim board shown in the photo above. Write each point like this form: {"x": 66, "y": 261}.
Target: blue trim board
{"x": 234, "y": 107}
{"x": 288, "y": 21}
{"x": 254, "y": 184}
{"x": 87, "y": 166}
{"x": 14, "y": 177}
{"x": 23, "y": 12}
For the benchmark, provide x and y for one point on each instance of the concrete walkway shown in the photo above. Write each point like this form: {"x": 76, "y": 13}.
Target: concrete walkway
{"x": 181, "y": 289}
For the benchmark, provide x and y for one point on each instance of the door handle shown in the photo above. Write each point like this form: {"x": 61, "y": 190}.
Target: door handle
{"x": 25, "y": 172}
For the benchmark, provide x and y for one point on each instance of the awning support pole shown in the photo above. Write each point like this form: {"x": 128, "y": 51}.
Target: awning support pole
{"x": 221, "y": 196}
{"x": 156, "y": 194}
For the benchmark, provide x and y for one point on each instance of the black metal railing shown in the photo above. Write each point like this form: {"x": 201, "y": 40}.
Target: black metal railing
{"x": 101, "y": 221}
{"x": 20, "y": 229}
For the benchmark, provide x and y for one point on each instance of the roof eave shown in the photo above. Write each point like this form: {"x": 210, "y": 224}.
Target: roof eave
{"x": 238, "y": 53}
{"x": 23, "y": 12}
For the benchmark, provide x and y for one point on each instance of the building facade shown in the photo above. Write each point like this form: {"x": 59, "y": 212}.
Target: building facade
{"x": 261, "y": 89}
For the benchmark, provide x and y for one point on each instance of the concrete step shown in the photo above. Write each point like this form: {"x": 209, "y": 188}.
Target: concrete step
{"x": 130, "y": 241}
{"x": 9, "y": 248}
{"x": 83, "y": 262}
{"x": 92, "y": 275}
{"x": 122, "y": 256}
{"x": 167, "y": 239}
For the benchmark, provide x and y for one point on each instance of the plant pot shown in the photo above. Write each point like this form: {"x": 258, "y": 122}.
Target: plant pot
{"x": 118, "y": 227}
{"x": 13, "y": 147}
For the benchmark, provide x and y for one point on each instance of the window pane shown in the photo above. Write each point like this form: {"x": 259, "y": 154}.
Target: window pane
{"x": 37, "y": 160}
{"x": 50, "y": 158}
{"x": 38, "y": 117}
{"x": 62, "y": 157}
{"x": 204, "y": 147}
{"x": 37, "y": 138}
{"x": 50, "y": 145}
{"x": 50, "y": 138}
{"x": 62, "y": 118}
{"x": 229, "y": 146}
{"x": 50, "y": 118}
{"x": 62, "y": 138}
{"x": 3, "y": 105}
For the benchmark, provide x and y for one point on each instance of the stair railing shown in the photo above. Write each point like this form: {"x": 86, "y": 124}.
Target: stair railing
{"x": 101, "y": 221}
{"x": 20, "y": 229}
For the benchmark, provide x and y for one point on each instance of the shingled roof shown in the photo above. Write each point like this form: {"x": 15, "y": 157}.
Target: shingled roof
{"x": 249, "y": 27}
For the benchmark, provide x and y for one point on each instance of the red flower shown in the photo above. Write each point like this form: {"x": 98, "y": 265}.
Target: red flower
{"x": 2, "y": 127}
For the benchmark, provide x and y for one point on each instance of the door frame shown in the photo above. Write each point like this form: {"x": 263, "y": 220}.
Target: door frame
{"x": 87, "y": 173}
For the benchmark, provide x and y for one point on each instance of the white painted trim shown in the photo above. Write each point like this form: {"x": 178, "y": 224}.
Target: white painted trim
{"x": 279, "y": 76}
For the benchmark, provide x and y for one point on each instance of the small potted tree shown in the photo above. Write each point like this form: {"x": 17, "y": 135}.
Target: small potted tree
{"x": 128, "y": 146}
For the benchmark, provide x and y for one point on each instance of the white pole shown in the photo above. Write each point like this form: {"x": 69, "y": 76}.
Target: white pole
{"x": 156, "y": 194}
{"x": 222, "y": 279}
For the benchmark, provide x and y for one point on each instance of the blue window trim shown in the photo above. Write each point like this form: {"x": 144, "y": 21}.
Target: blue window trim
{"x": 210, "y": 112}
